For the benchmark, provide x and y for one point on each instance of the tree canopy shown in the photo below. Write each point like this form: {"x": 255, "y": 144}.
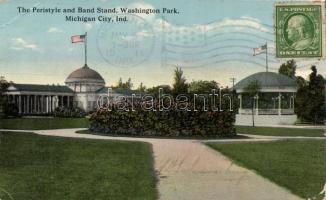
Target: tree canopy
{"x": 310, "y": 99}
{"x": 288, "y": 68}
{"x": 179, "y": 82}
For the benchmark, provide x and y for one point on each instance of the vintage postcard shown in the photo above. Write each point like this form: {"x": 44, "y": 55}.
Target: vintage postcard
{"x": 162, "y": 99}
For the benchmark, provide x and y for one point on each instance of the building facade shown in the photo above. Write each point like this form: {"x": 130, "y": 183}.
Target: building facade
{"x": 82, "y": 89}
{"x": 274, "y": 103}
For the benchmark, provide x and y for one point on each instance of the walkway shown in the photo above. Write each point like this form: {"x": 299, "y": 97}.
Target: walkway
{"x": 189, "y": 170}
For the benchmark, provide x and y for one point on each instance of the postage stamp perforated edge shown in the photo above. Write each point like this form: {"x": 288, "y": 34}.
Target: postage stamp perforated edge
{"x": 322, "y": 4}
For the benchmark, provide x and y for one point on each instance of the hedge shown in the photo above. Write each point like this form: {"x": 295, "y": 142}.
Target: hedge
{"x": 71, "y": 112}
{"x": 171, "y": 123}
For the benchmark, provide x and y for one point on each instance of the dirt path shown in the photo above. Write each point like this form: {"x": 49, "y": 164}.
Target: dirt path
{"x": 189, "y": 170}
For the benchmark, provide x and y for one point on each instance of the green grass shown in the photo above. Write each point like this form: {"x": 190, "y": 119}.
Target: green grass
{"x": 271, "y": 131}
{"x": 299, "y": 165}
{"x": 40, "y": 167}
{"x": 43, "y": 123}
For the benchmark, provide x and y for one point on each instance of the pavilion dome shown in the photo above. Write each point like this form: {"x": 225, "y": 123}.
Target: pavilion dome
{"x": 268, "y": 80}
{"x": 85, "y": 74}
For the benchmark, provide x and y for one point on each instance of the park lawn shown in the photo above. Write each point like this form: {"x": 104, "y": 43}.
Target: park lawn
{"x": 41, "y": 167}
{"x": 43, "y": 123}
{"x": 274, "y": 131}
{"x": 299, "y": 165}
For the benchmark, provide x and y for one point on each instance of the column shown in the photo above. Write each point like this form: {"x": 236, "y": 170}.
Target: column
{"x": 47, "y": 104}
{"x": 24, "y": 104}
{"x": 27, "y": 103}
{"x": 293, "y": 100}
{"x": 20, "y": 104}
{"x": 240, "y": 102}
{"x": 257, "y": 107}
{"x": 68, "y": 101}
{"x": 35, "y": 111}
{"x": 279, "y": 103}
{"x": 51, "y": 104}
{"x": 41, "y": 104}
{"x": 37, "y": 104}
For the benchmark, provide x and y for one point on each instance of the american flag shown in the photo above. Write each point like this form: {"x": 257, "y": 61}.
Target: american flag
{"x": 259, "y": 50}
{"x": 77, "y": 38}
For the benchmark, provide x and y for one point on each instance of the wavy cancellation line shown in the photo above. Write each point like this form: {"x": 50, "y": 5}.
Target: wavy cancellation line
{"x": 241, "y": 33}
{"x": 200, "y": 59}
{"x": 242, "y": 27}
{"x": 212, "y": 23}
{"x": 210, "y": 40}
{"x": 218, "y": 41}
{"x": 193, "y": 52}
{"x": 224, "y": 61}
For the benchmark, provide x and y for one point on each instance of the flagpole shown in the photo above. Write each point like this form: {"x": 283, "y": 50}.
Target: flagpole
{"x": 266, "y": 59}
{"x": 85, "y": 48}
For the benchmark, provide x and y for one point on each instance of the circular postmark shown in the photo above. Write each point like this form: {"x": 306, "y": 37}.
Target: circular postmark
{"x": 299, "y": 31}
{"x": 4, "y": 195}
{"x": 126, "y": 43}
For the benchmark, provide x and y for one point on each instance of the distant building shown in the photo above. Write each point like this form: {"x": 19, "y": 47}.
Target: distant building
{"x": 83, "y": 87}
{"x": 274, "y": 105}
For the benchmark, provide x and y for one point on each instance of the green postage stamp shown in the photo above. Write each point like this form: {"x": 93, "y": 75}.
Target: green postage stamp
{"x": 299, "y": 30}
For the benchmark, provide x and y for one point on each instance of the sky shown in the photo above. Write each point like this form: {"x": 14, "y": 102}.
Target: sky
{"x": 210, "y": 40}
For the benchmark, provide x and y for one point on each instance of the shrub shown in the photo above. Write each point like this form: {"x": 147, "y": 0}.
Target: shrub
{"x": 163, "y": 123}
{"x": 71, "y": 112}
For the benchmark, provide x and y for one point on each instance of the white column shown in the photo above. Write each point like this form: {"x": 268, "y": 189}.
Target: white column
{"x": 279, "y": 103}
{"x": 257, "y": 109}
{"x": 240, "y": 102}
{"x": 41, "y": 104}
{"x": 51, "y": 104}
{"x": 47, "y": 104}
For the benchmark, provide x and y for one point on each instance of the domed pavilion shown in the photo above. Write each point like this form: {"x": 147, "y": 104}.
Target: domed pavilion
{"x": 272, "y": 105}
{"x": 85, "y": 82}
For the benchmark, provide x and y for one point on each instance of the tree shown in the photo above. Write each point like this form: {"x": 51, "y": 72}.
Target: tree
{"x": 252, "y": 89}
{"x": 179, "y": 85}
{"x": 166, "y": 89}
{"x": 288, "y": 68}
{"x": 127, "y": 85}
{"x": 310, "y": 99}
{"x": 120, "y": 84}
{"x": 202, "y": 86}
{"x": 3, "y": 88}
{"x": 141, "y": 87}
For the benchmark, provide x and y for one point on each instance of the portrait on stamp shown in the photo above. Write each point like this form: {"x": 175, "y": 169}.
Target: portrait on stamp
{"x": 298, "y": 31}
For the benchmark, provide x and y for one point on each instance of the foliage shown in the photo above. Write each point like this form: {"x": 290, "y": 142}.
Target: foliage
{"x": 69, "y": 112}
{"x": 166, "y": 89}
{"x": 288, "y": 68}
{"x": 141, "y": 87}
{"x": 10, "y": 109}
{"x": 127, "y": 85}
{"x": 301, "y": 82}
{"x": 252, "y": 88}
{"x": 164, "y": 123}
{"x": 310, "y": 99}
{"x": 3, "y": 87}
{"x": 179, "y": 82}
{"x": 202, "y": 86}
